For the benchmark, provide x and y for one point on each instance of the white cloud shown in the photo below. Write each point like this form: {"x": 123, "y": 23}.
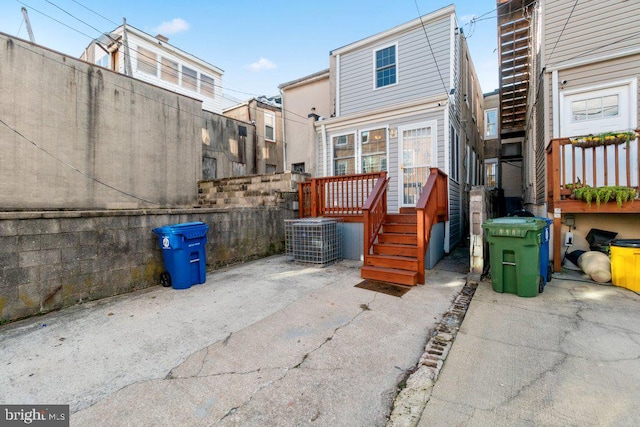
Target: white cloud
{"x": 261, "y": 65}
{"x": 176, "y": 25}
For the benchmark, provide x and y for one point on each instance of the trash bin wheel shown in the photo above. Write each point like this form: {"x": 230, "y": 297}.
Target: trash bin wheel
{"x": 541, "y": 285}
{"x": 165, "y": 279}
{"x": 549, "y": 273}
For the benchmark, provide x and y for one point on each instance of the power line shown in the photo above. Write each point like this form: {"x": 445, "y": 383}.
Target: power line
{"x": 620, "y": 40}
{"x": 76, "y": 169}
{"x": 77, "y": 19}
{"x": 59, "y": 22}
{"x": 562, "y": 32}
{"x": 96, "y": 13}
{"x": 444, "y": 86}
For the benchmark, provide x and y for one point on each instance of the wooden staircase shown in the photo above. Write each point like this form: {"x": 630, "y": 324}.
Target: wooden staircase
{"x": 395, "y": 255}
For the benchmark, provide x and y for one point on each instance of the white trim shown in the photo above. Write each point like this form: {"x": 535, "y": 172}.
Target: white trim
{"x": 493, "y": 160}
{"x": 433, "y": 124}
{"x": 273, "y": 117}
{"x": 324, "y": 150}
{"x": 374, "y": 51}
{"x": 632, "y": 106}
{"x": 589, "y": 61}
{"x": 337, "y": 85}
{"x": 452, "y": 47}
{"x": 484, "y": 131}
{"x": 556, "y": 104}
{"x": 416, "y": 23}
{"x": 386, "y": 114}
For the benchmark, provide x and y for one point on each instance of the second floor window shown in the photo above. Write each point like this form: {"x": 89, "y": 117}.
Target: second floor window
{"x": 386, "y": 66}
{"x": 491, "y": 123}
{"x": 169, "y": 71}
{"x": 269, "y": 127}
{"x": 207, "y": 86}
{"x": 147, "y": 62}
{"x": 189, "y": 79}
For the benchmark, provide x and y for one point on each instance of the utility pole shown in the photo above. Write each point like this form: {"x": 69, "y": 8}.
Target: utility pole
{"x": 28, "y": 23}
{"x": 127, "y": 57}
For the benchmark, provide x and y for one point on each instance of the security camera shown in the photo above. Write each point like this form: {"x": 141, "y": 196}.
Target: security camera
{"x": 564, "y": 82}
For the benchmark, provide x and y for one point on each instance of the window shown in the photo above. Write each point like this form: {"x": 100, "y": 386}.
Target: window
{"x": 344, "y": 160}
{"x": 103, "y": 61}
{"x": 147, "y": 62}
{"x": 491, "y": 173}
{"x": 207, "y": 86}
{"x": 374, "y": 150}
{"x": 271, "y": 169}
{"x": 269, "y": 127}
{"x": 169, "y": 70}
{"x": 297, "y": 168}
{"x": 454, "y": 143}
{"x": 491, "y": 123}
{"x": 385, "y": 64}
{"x": 595, "y": 108}
{"x": 189, "y": 79}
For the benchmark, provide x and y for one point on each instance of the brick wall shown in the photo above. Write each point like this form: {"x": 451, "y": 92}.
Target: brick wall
{"x": 50, "y": 260}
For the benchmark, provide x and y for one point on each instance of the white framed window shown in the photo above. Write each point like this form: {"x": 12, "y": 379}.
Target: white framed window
{"x": 344, "y": 154}
{"x": 269, "y": 127}
{"x": 169, "y": 70}
{"x": 491, "y": 123}
{"x": 597, "y": 109}
{"x": 373, "y": 150}
{"x": 491, "y": 173}
{"x": 103, "y": 61}
{"x": 189, "y": 79}
{"x": 454, "y": 145}
{"x": 207, "y": 86}
{"x": 147, "y": 61}
{"x": 385, "y": 66}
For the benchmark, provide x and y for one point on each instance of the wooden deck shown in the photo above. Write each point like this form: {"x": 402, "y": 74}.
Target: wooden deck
{"x": 568, "y": 164}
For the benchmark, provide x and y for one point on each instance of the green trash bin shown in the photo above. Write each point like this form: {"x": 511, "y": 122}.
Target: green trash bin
{"x": 514, "y": 252}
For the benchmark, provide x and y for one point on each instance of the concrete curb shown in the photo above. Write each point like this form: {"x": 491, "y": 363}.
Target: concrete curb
{"x": 412, "y": 399}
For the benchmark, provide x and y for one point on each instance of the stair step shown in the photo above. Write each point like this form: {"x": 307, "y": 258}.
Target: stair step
{"x": 393, "y": 261}
{"x": 395, "y": 249}
{"x": 408, "y": 210}
{"x": 398, "y": 228}
{"x": 404, "y": 239}
{"x": 392, "y": 275}
{"x": 401, "y": 219}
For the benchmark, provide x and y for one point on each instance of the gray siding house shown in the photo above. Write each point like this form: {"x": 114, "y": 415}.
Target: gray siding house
{"x": 405, "y": 100}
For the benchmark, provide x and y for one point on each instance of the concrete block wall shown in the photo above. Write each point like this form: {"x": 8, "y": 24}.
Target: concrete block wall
{"x": 280, "y": 189}
{"x": 50, "y": 260}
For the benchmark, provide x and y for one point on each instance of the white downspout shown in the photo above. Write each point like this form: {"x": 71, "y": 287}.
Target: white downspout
{"x": 556, "y": 104}
{"x": 324, "y": 150}
{"x": 337, "y": 86}
{"x": 284, "y": 133}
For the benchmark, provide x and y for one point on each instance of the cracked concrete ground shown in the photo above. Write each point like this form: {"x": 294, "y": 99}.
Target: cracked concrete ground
{"x": 570, "y": 356}
{"x": 265, "y": 343}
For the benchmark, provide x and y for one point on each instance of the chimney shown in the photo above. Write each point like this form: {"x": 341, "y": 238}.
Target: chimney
{"x": 162, "y": 38}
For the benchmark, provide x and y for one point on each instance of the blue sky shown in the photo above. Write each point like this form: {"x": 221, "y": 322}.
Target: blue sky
{"x": 259, "y": 44}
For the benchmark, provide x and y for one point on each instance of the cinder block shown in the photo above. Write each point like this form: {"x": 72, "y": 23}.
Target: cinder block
{"x": 38, "y": 258}
{"x": 112, "y": 222}
{"x": 77, "y": 254}
{"x": 8, "y": 227}
{"x": 9, "y": 244}
{"x": 38, "y": 226}
{"x": 77, "y": 224}
{"x": 8, "y": 260}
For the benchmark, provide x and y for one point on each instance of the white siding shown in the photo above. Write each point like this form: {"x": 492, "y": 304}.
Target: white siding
{"x": 417, "y": 74}
{"x": 210, "y": 104}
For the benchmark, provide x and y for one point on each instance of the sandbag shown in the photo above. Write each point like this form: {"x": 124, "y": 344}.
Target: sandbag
{"x": 597, "y": 265}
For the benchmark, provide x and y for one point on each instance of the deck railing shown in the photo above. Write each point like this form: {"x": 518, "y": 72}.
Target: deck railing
{"x": 337, "y": 196}
{"x": 432, "y": 207}
{"x": 374, "y": 212}
{"x": 569, "y": 165}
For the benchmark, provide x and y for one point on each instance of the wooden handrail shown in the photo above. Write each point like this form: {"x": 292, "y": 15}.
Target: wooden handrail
{"x": 431, "y": 208}
{"x": 374, "y": 212}
{"x": 340, "y": 196}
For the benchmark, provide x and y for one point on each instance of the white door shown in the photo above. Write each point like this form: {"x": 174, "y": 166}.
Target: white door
{"x": 416, "y": 152}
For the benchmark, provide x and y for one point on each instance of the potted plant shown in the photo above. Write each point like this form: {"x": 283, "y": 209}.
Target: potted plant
{"x": 605, "y": 194}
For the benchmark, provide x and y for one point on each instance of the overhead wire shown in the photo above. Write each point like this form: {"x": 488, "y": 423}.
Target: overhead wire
{"x": 444, "y": 86}
{"x": 94, "y": 12}
{"x": 92, "y": 178}
{"x": 562, "y": 32}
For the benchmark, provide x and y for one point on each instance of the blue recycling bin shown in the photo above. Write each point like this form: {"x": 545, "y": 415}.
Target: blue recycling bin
{"x": 183, "y": 249}
{"x": 545, "y": 272}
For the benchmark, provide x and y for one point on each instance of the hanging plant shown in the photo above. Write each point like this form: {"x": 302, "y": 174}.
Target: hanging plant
{"x": 605, "y": 194}
{"x": 606, "y": 138}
